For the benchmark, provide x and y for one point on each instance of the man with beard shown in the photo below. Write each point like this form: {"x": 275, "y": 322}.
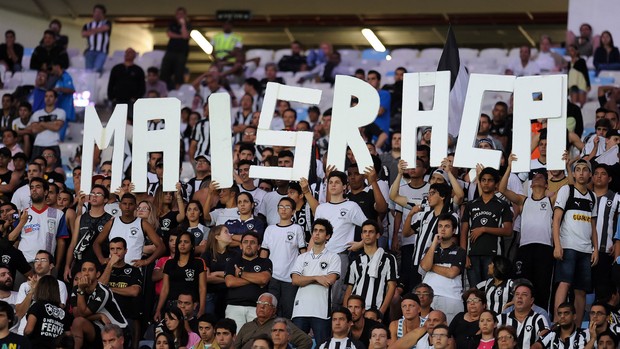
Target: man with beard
{"x": 565, "y": 333}
{"x": 361, "y": 328}
{"x": 45, "y": 228}
{"x": 246, "y": 277}
{"x": 6, "y": 286}
{"x": 89, "y": 224}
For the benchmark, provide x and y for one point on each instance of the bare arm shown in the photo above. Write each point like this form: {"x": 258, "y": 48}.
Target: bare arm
{"x": 388, "y": 296}
{"x": 101, "y": 239}
{"x": 32, "y": 321}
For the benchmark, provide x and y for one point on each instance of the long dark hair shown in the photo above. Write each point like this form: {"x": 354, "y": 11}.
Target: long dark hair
{"x": 180, "y": 334}
{"x": 180, "y": 233}
{"x": 200, "y": 217}
{"x": 47, "y": 291}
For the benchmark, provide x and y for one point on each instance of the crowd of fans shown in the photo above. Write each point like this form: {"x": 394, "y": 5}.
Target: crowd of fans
{"x": 390, "y": 255}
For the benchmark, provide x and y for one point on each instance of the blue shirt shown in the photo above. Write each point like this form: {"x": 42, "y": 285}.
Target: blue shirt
{"x": 65, "y": 101}
{"x": 383, "y": 121}
{"x": 238, "y": 227}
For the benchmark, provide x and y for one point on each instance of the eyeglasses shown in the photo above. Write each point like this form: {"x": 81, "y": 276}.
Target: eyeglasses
{"x": 474, "y": 300}
{"x": 249, "y": 133}
{"x": 286, "y": 207}
{"x": 505, "y": 338}
{"x": 264, "y": 303}
{"x": 49, "y": 156}
{"x": 96, "y": 194}
{"x": 41, "y": 260}
{"x": 143, "y": 209}
{"x": 439, "y": 335}
{"x": 597, "y": 313}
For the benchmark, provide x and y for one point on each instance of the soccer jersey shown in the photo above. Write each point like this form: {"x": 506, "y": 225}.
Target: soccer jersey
{"x": 42, "y": 231}
{"x": 372, "y": 289}
{"x": 102, "y": 301}
{"x": 344, "y": 217}
{"x": 257, "y": 194}
{"x": 222, "y": 215}
{"x": 248, "y": 294}
{"x": 124, "y": 277}
{"x": 268, "y": 207}
{"x": 576, "y": 227}
{"x": 491, "y": 214}
{"x": 497, "y": 295}
{"x": 314, "y": 300}
{"x": 201, "y": 136}
{"x": 283, "y": 244}
{"x": 453, "y": 256}
{"x": 528, "y": 330}
{"x": 536, "y": 223}
{"x": 607, "y": 210}
{"x": 425, "y": 224}
{"x": 52, "y": 322}
{"x": 415, "y": 196}
{"x": 577, "y": 340}
{"x": 133, "y": 234}
{"x": 199, "y": 232}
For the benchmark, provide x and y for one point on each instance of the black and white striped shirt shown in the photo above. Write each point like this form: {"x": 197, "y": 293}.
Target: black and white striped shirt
{"x": 100, "y": 41}
{"x": 372, "y": 289}
{"x": 577, "y": 340}
{"x": 341, "y": 343}
{"x": 200, "y": 134}
{"x": 528, "y": 330}
{"x": 102, "y": 301}
{"x": 240, "y": 119}
{"x": 497, "y": 296}
{"x": 425, "y": 227}
{"x": 153, "y": 125}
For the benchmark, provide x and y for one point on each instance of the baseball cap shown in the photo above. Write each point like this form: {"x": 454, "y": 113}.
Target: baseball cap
{"x": 202, "y": 157}
{"x": 442, "y": 173}
{"x": 485, "y": 140}
{"x": 20, "y": 155}
{"x": 582, "y": 161}
{"x": 537, "y": 171}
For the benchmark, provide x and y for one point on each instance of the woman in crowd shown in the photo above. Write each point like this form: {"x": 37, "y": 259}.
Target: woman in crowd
{"x": 175, "y": 326}
{"x": 487, "y": 324}
{"x": 169, "y": 218}
{"x": 164, "y": 341}
{"x": 506, "y": 337}
{"x": 46, "y": 321}
{"x": 498, "y": 288}
{"x": 183, "y": 273}
{"x": 464, "y": 326}
{"x": 218, "y": 251}
{"x": 606, "y": 53}
{"x": 158, "y": 271}
{"x": 193, "y": 224}
{"x": 246, "y": 221}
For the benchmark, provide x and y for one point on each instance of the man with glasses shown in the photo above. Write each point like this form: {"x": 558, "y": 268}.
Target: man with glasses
{"x": 89, "y": 224}
{"x": 246, "y": 276}
{"x": 599, "y": 320}
{"x": 282, "y": 243}
{"x": 264, "y": 322}
{"x": 425, "y": 295}
{"x": 43, "y": 265}
{"x": 528, "y": 323}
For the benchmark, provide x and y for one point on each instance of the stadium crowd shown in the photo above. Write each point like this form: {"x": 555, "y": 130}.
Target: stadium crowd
{"x": 388, "y": 256}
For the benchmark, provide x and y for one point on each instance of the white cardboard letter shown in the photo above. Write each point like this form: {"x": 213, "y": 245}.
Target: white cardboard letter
{"x": 346, "y": 121}
{"x": 552, "y": 106}
{"x": 165, "y": 140}
{"x": 466, "y": 154}
{"x": 437, "y": 118}
{"x": 221, "y": 140}
{"x": 95, "y": 133}
{"x": 301, "y": 140}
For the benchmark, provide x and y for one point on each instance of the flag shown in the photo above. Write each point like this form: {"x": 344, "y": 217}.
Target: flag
{"x": 459, "y": 79}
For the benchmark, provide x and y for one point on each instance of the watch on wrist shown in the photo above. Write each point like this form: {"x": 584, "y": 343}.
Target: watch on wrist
{"x": 81, "y": 292}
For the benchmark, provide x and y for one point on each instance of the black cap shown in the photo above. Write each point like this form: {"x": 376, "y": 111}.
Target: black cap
{"x": 536, "y": 171}
{"x": 20, "y": 155}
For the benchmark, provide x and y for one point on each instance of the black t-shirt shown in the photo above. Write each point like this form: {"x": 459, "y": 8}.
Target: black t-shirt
{"x": 491, "y": 214}
{"x": 304, "y": 219}
{"x": 167, "y": 223}
{"x": 247, "y": 295}
{"x": 15, "y": 341}
{"x": 219, "y": 264}
{"x": 13, "y": 258}
{"x": 178, "y": 45}
{"x": 52, "y": 321}
{"x": 464, "y": 332}
{"x": 366, "y": 201}
{"x": 90, "y": 227}
{"x": 125, "y": 277}
{"x": 185, "y": 278}
{"x": 369, "y": 325}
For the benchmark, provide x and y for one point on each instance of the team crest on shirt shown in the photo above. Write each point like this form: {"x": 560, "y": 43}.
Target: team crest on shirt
{"x": 257, "y": 268}
{"x": 190, "y": 274}
{"x": 6, "y": 259}
{"x": 609, "y": 202}
{"x": 519, "y": 265}
{"x": 54, "y": 311}
{"x": 166, "y": 223}
{"x": 305, "y": 264}
{"x": 114, "y": 211}
{"x": 323, "y": 265}
{"x": 127, "y": 271}
{"x": 543, "y": 205}
{"x": 290, "y": 235}
{"x": 133, "y": 231}
{"x": 343, "y": 212}
{"x": 250, "y": 226}
{"x": 499, "y": 291}
{"x": 528, "y": 328}
{"x": 100, "y": 228}
{"x": 197, "y": 234}
{"x": 484, "y": 221}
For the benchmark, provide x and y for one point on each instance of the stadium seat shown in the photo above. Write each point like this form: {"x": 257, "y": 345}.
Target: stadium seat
{"x": 26, "y": 62}
{"x": 73, "y": 52}
{"x": 78, "y": 62}
{"x": 29, "y": 77}
{"x": 349, "y": 56}
{"x": 372, "y": 55}
{"x": 405, "y": 54}
{"x": 265, "y": 56}
{"x": 495, "y": 53}
{"x": 589, "y": 113}
{"x": 433, "y": 54}
{"x": 614, "y": 74}
{"x": 102, "y": 88}
{"x": 186, "y": 94}
{"x": 468, "y": 54}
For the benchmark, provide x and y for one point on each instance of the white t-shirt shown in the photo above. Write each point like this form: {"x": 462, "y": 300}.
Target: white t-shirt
{"x": 519, "y": 70}
{"x": 283, "y": 244}
{"x": 344, "y": 217}
{"x": 269, "y": 207}
{"x": 47, "y": 138}
{"x": 313, "y": 300}
{"x": 21, "y": 197}
{"x": 257, "y": 194}
{"x": 576, "y": 227}
{"x": 414, "y": 196}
